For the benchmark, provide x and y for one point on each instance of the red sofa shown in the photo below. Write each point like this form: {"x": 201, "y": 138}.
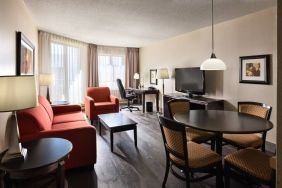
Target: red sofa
{"x": 98, "y": 100}
{"x": 64, "y": 121}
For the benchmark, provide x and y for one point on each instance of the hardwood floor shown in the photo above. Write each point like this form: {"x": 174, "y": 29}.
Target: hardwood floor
{"x": 130, "y": 167}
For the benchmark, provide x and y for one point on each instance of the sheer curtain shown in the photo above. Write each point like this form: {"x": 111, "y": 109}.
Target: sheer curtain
{"x": 111, "y": 66}
{"x": 68, "y": 63}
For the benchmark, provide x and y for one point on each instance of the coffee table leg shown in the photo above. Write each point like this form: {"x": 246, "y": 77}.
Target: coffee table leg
{"x": 143, "y": 102}
{"x": 135, "y": 136}
{"x": 99, "y": 126}
{"x": 112, "y": 140}
{"x": 218, "y": 143}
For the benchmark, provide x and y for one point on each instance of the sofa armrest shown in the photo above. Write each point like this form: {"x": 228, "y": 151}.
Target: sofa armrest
{"x": 114, "y": 99}
{"x": 89, "y": 107}
{"x": 59, "y": 109}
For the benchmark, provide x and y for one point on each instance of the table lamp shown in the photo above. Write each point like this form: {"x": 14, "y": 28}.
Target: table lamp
{"x": 136, "y": 77}
{"x": 16, "y": 93}
{"x": 46, "y": 80}
{"x": 162, "y": 74}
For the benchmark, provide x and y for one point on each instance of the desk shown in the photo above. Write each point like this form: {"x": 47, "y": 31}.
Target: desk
{"x": 145, "y": 92}
{"x": 220, "y": 122}
{"x": 44, "y": 156}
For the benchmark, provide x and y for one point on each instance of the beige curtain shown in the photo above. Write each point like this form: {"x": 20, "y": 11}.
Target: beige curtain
{"x": 92, "y": 66}
{"x": 131, "y": 67}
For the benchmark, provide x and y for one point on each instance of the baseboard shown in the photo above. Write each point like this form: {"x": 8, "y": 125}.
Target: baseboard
{"x": 270, "y": 147}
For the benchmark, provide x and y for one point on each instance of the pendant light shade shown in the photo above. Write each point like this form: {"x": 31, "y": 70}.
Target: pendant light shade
{"x": 213, "y": 63}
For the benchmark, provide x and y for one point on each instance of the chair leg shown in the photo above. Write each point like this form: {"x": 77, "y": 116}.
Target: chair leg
{"x": 187, "y": 178}
{"x": 219, "y": 180}
{"x": 166, "y": 171}
{"x": 213, "y": 144}
{"x": 226, "y": 175}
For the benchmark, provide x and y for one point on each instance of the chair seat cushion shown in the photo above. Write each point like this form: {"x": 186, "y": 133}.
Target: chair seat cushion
{"x": 104, "y": 106}
{"x": 243, "y": 140}
{"x": 68, "y": 117}
{"x": 252, "y": 162}
{"x": 198, "y": 136}
{"x": 199, "y": 156}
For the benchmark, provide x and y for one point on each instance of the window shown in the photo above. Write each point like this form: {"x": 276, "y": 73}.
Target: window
{"x": 110, "y": 68}
{"x": 67, "y": 70}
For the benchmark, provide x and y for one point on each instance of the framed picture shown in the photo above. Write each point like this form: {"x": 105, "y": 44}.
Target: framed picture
{"x": 153, "y": 77}
{"x": 255, "y": 69}
{"x": 24, "y": 55}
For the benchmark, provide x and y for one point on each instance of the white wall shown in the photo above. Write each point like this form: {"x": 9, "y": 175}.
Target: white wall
{"x": 253, "y": 34}
{"x": 14, "y": 16}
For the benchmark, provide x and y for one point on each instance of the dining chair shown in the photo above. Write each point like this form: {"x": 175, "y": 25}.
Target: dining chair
{"x": 250, "y": 165}
{"x": 183, "y": 105}
{"x": 250, "y": 140}
{"x": 189, "y": 157}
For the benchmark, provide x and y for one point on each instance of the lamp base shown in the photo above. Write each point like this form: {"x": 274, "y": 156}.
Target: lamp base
{"x": 13, "y": 157}
{"x": 15, "y": 151}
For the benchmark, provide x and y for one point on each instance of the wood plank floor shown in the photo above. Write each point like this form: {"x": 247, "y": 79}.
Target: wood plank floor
{"x": 130, "y": 167}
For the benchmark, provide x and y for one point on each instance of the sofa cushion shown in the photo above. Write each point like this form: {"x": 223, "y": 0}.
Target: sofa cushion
{"x": 68, "y": 117}
{"x": 99, "y": 94}
{"x": 104, "y": 106}
{"x": 45, "y": 103}
{"x": 70, "y": 125}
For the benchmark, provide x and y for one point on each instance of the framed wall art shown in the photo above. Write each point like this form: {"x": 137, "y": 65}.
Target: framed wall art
{"x": 255, "y": 69}
{"x": 24, "y": 55}
{"x": 153, "y": 77}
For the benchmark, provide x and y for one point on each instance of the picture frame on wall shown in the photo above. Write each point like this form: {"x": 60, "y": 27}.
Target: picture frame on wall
{"x": 24, "y": 55}
{"x": 255, "y": 69}
{"x": 153, "y": 77}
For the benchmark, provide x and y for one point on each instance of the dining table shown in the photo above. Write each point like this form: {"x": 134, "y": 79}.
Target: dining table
{"x": 223, "y": 122}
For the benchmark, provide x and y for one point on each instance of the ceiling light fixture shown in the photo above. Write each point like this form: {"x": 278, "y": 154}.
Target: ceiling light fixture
{"x": 213, "y": 63}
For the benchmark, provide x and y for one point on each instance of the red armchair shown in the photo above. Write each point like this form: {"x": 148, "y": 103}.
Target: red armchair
{"x": 63, "y": 122}
{"x": 98, "y": 100}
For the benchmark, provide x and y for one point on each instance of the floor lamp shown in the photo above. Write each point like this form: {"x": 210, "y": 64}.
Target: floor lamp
{"x": 16, "y": 93}
{"x": 162, "y": 74}
{"x": 46, "y": 80}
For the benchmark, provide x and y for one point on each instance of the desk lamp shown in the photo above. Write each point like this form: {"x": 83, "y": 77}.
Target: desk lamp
{"x": 136, "y": 77}
{"x": 16, "y": 93}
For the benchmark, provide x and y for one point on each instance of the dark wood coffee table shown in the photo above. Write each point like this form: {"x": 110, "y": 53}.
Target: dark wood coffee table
{"x": 44, "y": 157}
{"x": 117, "y": 122}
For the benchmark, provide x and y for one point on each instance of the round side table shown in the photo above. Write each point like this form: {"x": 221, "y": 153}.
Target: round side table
{"x": 44, "y": 156}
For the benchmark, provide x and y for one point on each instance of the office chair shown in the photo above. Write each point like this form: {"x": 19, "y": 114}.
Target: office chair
{"x": 129, "y": 96}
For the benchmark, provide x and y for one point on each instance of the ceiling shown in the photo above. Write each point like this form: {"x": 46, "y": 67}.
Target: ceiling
{"x": 134, "y": 23}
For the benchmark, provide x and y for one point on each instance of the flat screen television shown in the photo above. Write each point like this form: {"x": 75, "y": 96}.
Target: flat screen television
{"x": 190, "y": 80}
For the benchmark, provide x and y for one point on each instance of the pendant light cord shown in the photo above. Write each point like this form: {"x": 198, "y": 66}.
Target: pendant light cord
{"x": 212, "y": 30}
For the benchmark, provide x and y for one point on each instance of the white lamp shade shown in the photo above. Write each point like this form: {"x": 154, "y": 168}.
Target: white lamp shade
{"x": 162, "y": 73}
{"x": 17, "y": 92}
{"x": 213, "y": 64}
{"x": 46, "y": 79}
{"x": 136, "y": 76}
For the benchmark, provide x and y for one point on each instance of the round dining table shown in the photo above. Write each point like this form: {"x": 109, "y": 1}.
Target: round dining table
{"x": 223, "y": 122}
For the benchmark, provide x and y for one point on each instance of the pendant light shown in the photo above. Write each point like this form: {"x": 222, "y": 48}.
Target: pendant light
{"x": 213, "y": 63}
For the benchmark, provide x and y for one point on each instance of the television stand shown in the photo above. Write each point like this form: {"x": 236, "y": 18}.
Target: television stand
{"x": 196, "y": 102}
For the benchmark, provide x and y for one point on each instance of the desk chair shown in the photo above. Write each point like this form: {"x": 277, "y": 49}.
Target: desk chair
{"x": 129, "y": 96}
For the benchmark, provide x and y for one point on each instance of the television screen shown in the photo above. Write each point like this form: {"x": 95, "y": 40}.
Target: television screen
{"x": 190, "y": 80}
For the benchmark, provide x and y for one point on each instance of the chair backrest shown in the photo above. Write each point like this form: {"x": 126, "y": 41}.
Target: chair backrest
{"x": 121, "y": 88}
{"x": 255, "y": 108}
{"x": 178, "y": 106}
{"x": 175, "y": 142}
{"x": 99, "y": 94}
